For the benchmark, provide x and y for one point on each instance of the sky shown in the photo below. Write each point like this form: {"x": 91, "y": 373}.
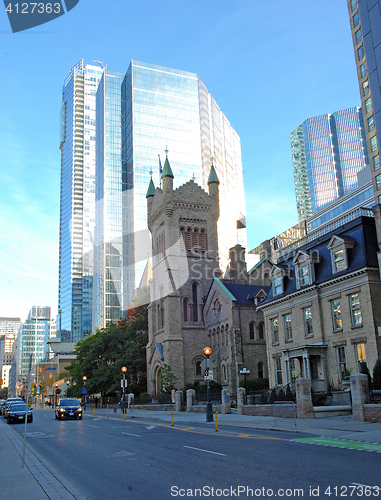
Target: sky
{"x": 269, "y": 65}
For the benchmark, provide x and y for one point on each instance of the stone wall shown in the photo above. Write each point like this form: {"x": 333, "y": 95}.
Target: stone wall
{"x": 282, "y": 411}
{"x": 372, "y": 413}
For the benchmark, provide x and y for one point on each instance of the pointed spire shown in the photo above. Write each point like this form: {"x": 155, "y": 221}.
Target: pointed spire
{"x": 212, "y": 175}
{"x": 151, "y": 189}
{"x": 167, "y": 171}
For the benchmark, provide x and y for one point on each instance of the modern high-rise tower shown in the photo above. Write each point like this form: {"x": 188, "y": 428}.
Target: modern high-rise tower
{"x": 161, "y": 109}
{"x": 365, "y": 20}
{"x": 77, "y": 203}
{"x": 327, "y": 152}
{"x": 115, "y": 129}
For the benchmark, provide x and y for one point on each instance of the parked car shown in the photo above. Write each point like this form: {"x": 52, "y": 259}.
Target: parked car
{"x": 8, "y": 402}
{"x": 16, "y": 412}
{"x": 2, "y": 404}
{"x": 69, "y": 408}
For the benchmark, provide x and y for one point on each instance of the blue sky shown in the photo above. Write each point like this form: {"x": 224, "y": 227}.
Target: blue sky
{"x": 269, "y": 65}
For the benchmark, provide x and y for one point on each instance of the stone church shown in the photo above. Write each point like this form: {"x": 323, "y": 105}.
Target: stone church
{"x": 187, "y": 288}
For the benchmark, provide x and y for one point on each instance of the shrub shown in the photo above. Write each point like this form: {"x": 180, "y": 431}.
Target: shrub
{"x": 255, "y": 384}
{"x": 377, "y": 375}
{"x": 365, "y": 370}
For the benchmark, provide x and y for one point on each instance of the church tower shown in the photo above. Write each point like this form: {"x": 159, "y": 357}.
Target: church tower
{"x": 183, "y": 226}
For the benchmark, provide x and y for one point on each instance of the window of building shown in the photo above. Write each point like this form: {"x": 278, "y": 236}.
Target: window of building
{"x": 195, "y": 301}
{"x": 373, "y": 143}
{"x": 376, "y": 162}
{"x": 186, "y": 309}
{"x": 358, "y": 36}
{"x": 261, "y": 333}
{"x": 339, "y": 248}
{"x": 342, "y": 362}
{"x": 353, "y": 5}
{"x": 365, "y": 87}
{"x": 378, "y": 182}
{"x": 251, "y": 331}
{"x": 278, "y": 286}
{"x": 288, "y": 327}
{"x": 360, "y": 52}
{"x": 360, "y": 355}
{"x": 307, "y": 314}
{"x": 371, "y": 123}
{"x": 198, "y": 368}
{"x": 278, "y": 371}
{"x": 224, "y": 374}
{"x": 261, "y": 372}
{"x": 368, "y": 105}
{"x": 356, "y": 19}
{"x": 354, "y": 305}
{"x": 274, "y": 327}
{"x": 336, "y": 315}
{"x": 304, "y": 268}
{"x": 363, "y": 70}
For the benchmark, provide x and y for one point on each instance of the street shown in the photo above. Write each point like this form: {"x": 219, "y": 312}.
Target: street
{"x": 140, "y": 458}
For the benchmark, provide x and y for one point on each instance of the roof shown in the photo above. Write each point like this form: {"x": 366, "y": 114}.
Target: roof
{"x": 151, "y": 189}
{"x": 263, "y": 259}
{"x": 167, "y": 171}
{"x": 213, "y": 176}
{"x": 361, "y": 232}
{"x": 241, "y": 294}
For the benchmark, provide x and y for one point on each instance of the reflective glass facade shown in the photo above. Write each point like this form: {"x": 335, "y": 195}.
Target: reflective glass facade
{"x": 77, "y": 204}
{"x": 365, "y": 16}
{"x": 33, "y": 334}
{"x": 327, "y": 153}
{"x": 160, "y": 108}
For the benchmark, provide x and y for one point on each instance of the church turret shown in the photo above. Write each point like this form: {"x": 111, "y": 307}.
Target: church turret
{"x": 213, "y": 184}
{"x": 167, "y": 177}
{"x": 150, "y": 194}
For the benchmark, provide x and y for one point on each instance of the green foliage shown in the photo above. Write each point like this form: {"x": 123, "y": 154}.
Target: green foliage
{"x": 264, "y": 398}
{"x": 168, "y": 379}
{"x": 101, "y": 356}
{"x": 3, "y": 393}
{"x": 255, "y": 384}
{"x": 273, "y": 396}
{"x": 377, "y": 375}
{"x": 201, "y": 387}
{"x": 365, "y": 370}
{"x": 281, "y": 395}
{"x": 290, "y": 396}
{"x": 63, "y": 374}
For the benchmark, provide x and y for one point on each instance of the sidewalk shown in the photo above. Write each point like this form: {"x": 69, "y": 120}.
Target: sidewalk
{"x": 35, "y": 482}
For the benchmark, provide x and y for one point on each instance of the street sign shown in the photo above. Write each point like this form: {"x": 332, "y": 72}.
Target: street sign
{"x": 207, "y": 363}
{"x": 50, "y": 368}
{"x": 208, "y": 375}
{"x": 84, "y": 391}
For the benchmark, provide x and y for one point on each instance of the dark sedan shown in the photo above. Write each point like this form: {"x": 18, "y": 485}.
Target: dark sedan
{"x": 69, "y": 408}
{"x": 17, "y": 411}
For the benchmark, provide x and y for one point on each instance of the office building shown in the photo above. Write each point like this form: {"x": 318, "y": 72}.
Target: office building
{"x": 77, "y": 202}
{"x": 115, "y": 130}
{"x": 32, "y": 339}
{"x": 365, "y": 22}
{"x": 160, "y": 109}
{"x": 327, "y": 151}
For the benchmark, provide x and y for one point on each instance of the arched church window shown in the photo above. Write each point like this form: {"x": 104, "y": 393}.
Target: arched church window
{"x": 195, "y": 301}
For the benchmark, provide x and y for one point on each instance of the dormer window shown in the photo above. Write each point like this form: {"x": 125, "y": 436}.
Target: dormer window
{"x": 339, "y": 248}
{"x": 305, "y": 268}
{"x": 277, "y": 278}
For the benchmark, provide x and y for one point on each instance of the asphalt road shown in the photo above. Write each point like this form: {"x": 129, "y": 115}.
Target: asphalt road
{"x": 143, "y": 459}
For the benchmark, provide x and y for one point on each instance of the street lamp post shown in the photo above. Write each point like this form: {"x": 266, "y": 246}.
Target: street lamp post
{"x": 84, "y": 392}
{"x": 124, "y": 370}
{"x": 67, "y": 387}
{"x": 55, "y": 395}
{"x": 209, "y": 407}
{"x": 245, "y": 372}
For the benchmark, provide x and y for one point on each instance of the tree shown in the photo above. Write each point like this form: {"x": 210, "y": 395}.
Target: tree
{"x": 377, "y": 375}
{"x": 168, "y": 379}
{"x": 101, "y": 356}
{"x": 365, "y": 370}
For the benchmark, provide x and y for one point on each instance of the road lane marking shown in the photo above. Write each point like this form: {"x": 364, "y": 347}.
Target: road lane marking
{"x": 341, "y": 443}
{"x": 205, "y": 451}
{"x": 129, "y": 434}
{"x": 94, "y": 426}
{"x": 367, "y": 486}
{"x": 150, "y": 427}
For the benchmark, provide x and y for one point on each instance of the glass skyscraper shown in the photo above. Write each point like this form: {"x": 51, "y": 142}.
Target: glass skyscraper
{"x": 33, "y": 334}
{"x": 77, "y": 203}
{"x": 365, "y": 18}
{"x": 115, "y": 129}
{"x": 160, "y": 109}
{"x": 327, "y": 152}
